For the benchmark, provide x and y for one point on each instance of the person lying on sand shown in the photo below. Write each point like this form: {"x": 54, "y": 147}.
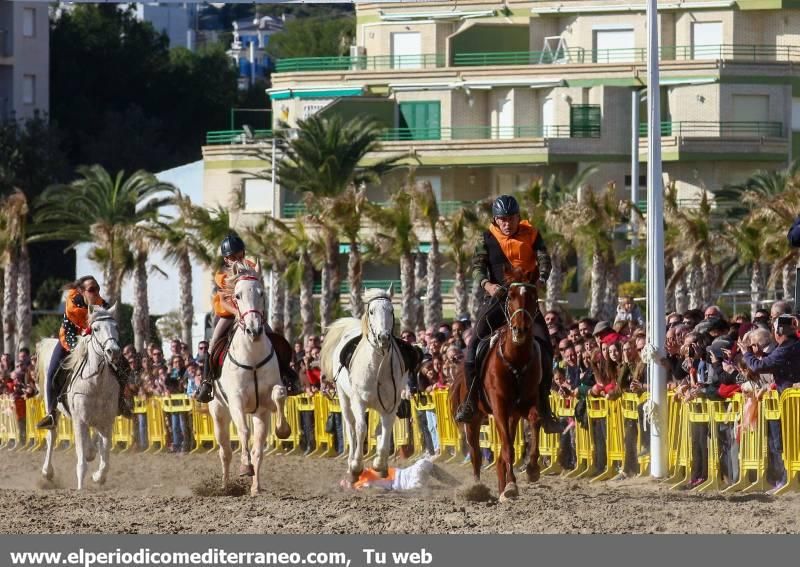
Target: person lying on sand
{"x": 408, "y": 478}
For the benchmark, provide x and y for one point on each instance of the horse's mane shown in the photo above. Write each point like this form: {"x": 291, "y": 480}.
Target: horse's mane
{"x": 244, "y": 270}
{"x": 371, "y": 295}
{"x": 517, "y": 275}
{"x": 333, "y": 335}
{"x": 78, "y": 354}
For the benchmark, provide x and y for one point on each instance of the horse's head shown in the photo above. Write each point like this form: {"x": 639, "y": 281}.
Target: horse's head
{"x": 105, "y": 331}
{"x": 522, "y": 303}
{"x": 247, "y": 294}
{"x": 378, "y": 320}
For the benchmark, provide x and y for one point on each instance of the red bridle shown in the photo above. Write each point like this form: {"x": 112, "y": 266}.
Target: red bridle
{"x": 258, "y": 312}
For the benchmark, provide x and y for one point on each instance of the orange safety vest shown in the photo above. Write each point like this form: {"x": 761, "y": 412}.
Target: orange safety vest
{"x": 518, "y": 248}
{"x": 219, "y": 279}
{"x": 76, "y": 319}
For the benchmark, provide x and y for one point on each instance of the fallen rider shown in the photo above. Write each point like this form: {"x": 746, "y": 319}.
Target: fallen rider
{"x": 408, "y": 478}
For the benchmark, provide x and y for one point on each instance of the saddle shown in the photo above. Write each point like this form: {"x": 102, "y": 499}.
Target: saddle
{"x": 410, "y": 354}
{"x": 283, "y": 352}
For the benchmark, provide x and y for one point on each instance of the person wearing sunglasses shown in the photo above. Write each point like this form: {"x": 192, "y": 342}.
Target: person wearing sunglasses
{"x": 80, "y": 295}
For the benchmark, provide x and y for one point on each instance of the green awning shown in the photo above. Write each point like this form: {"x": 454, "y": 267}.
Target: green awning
{"x": 333, "y": 92}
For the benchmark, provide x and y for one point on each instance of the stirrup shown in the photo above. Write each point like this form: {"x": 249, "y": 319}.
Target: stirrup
{"x": 206, "y": 392}
{"x": 465, "y": 412}
{"x": 47, "y": 422}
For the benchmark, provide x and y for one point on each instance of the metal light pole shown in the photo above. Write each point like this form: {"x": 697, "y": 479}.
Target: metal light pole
{"x": 634, "y": 179}
{"x": 275, "y": 209}
{"x": 655, "y": 251}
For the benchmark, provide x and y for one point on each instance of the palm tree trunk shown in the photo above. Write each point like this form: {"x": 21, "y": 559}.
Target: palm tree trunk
{"x": 681, "y": 300}
{"x": 612, "y": 288}
{"x": 788, "y": 276}
{"x": 24, "y": 299}
{"x": 288, "y": 315}
{"x": 709, "y": 275}
{"x": 597, "y": 289}
{"x": 407, "y": 305}
{"x": 755, "y": 288}
{"x": 355, "y": 277}
{"x": 9, "y": 301}
{"x": 460, "y": 297}
{"x": 110, "y": 276}
{"x": 277, "y": 293}
{"x": 555, "y": 282}
{"x": 694, "y": 288}
{"x": 433, "y": 297}
{"x": 306, "y": 294}
{"x": 187, "y": 300}
{"x": 141, "y": 308}
{"x": 420, "y": 283}
{"x": 330, "y": 278}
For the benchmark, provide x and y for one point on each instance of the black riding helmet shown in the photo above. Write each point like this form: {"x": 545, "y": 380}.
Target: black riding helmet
{"x": 231, "y": 245}
{"x": 505, "y": 206}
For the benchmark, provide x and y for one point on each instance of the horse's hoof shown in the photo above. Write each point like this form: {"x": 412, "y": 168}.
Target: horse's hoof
{"x": 283, "y": 431}
{"x": 533, "y": 473}
{"x": 254, "y": 491}
{"x": 511, "y": 491}
{"x": 354, "y": 476}
{"x": 247, "y": 470}
{"x": 99, "y": 478}
{"x": 48, "y": 475}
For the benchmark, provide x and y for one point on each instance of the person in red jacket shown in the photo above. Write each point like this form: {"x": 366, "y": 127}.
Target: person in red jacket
{"x": 80, "y": 295}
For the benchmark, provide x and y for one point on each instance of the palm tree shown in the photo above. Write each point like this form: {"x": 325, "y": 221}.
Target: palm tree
{"x": 100, "y": 209}
{"x": 745, "y": 244}
{"x": 457, "y": 230}
{"x": 348, "y": 209}
{"x": 321, "y": 159}
{"x": 16, "y": 280}
{"x": 427, "y": 211}
{"x": 395, "y": 240}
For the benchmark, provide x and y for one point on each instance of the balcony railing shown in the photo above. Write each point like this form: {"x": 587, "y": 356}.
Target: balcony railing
{"x": 236, "y": 136}
{"x": 578, "y": 55}
{"x": 293, "y": 210}
{"x": 478, "y": 133}
{"x": 446, "y": 286}
{"x": 696, "y": 128}
{"x": 361, "y": 63}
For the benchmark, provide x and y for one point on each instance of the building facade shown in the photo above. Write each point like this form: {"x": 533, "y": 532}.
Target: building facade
{"x": 24, "y": 59}
{"x": 489, "y": 96}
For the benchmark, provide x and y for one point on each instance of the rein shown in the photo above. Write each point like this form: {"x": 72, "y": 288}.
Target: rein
{"x": 254, "y": 368}
{"x": 517, "y": 372}
{"x": 241, "y": 316}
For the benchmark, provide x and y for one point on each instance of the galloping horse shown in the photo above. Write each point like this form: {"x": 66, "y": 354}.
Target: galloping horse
{"x": 91, "y": 393}
{"x": 250, "y": 382}
{"x": 513, "y": 370}
{"x": 373, "y": 379}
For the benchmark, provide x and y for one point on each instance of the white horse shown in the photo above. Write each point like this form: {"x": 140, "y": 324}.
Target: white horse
{"x": 92, "y": 392}
{"x": 251, "y": 380}
{"x": 374, "y": 379}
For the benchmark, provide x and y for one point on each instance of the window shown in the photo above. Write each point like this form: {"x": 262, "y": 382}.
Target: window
{"x": 706, "y": 40}
{"x": 312, "y": 108}
{"x": 751, "y": 116}
{"x": 29, "y": 89}
{"x": 29, "y": 22}
{"x": 406, "y": 50}
{"x": 258, "y": 196}
{"x": 584, "y": 121}
{"x": 420, "y": 121}
{"x": 613, "y": 45}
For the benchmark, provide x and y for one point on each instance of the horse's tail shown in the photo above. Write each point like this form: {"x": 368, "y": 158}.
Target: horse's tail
{"x": 44, "y": 352}
{"x": 333, "y": 336}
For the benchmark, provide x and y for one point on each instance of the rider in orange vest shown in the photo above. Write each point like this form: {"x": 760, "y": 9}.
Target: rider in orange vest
{"x": 508, "y": 242}
{"x": 80, "y": 294}
{"x": 233, "y": 250}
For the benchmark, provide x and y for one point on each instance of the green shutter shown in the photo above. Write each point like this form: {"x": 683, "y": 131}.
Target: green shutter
{"x": 584, "y": 121}
{"x": 420, "y": 120}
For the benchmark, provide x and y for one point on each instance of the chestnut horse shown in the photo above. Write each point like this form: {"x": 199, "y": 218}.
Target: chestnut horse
{"x": 510, "y": 385}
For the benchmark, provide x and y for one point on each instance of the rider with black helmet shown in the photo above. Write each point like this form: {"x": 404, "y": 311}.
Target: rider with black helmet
{"x": 508, "y": 242}
{"x": 233, "y": 250}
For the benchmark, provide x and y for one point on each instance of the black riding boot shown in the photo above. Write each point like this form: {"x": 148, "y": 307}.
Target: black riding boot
{"x": 206, "y": 391}
{"x": 549, "y": 423}
{"x": 291, "y": 381}
{"x": 466, "y": 410}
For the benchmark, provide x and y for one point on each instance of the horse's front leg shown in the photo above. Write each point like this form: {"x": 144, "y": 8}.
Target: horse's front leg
{"x": 222, "y": 434}
{"x": 104, "y": 436}
{"x": 358, "y": 432}
{"x": 47, "y": 467}
{"x": 82, "y": 441}
{"x": 260, "y": 421}
{"x": 282, "y": 428}
{"x": 532, "y": 469}
{"x": 240, "y": 419}
{"x": 381, "y": 461}
{"x": 507, "y": 486}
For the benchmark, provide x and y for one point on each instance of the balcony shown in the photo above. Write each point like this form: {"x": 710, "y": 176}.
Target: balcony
{"x": 485, "y": 133}
{"x": 294, "y": 210}
{"x": 573, "y": 55}
{"x": 229, "y": 137}
{"x": 692, "y": 140}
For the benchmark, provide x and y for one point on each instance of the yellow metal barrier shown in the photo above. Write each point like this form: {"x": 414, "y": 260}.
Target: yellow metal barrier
{"x": 699, "y": 412}
{"x": 9, "y": 429}
{"x": 487, "y": 439}
{"x": 326, "y": 442}
{"x": 675, "y": 416}
{"x": 401, "y": 434}
{"x": 420, "y": 402}
{"x": 156, "y": 429}
{"x": 790, "y": 431}
{"x": 449, "y": 433}
{"x": 304, "y": 403}
{"x": 549, "y": 443}
{"x": 64, "y": 433}
{"x": 630, "y": 411}
{"x": 720, "y": 412}
{"x": 611, "y": 411}
{"x": 202, "y": 427}
{"x": 682, "y": 471}
{"x": 35, "y": 438}
{"x": 122, "y": 434}
{"x": 752, "y": 456}
{"x": 293, "y": 419}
